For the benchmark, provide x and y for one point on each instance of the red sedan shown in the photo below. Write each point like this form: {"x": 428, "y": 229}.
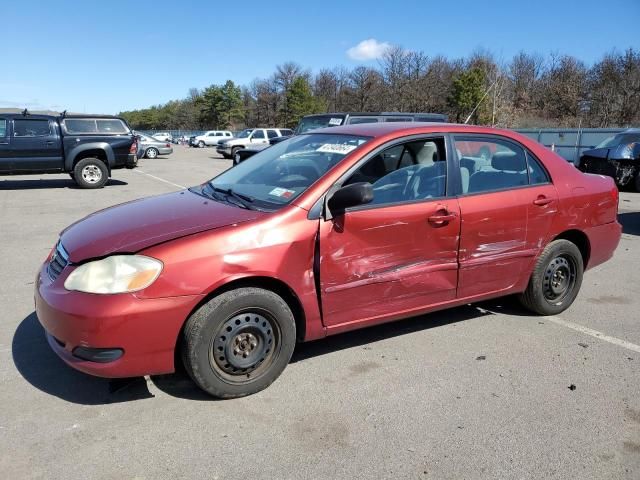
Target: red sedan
{"x": 330, "y": 231}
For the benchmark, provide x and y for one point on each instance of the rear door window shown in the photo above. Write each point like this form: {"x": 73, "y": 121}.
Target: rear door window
{"x": 272, "y": 133}
{"x": 31, "y": 128}
{"x": 80, "y": 125}
{"x": 3, "y": 129}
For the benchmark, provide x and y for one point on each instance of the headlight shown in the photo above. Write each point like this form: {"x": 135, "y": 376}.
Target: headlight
{"x": 115, "y": 274}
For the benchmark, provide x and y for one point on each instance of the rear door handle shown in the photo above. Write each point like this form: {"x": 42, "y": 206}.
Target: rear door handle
{"x": 541, "y": 201}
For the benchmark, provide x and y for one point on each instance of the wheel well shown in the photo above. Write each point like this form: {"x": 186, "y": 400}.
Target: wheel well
{"x": 580, "y": 240}
{"x": 268, "y": 283}
{"x": 96, "y": 153}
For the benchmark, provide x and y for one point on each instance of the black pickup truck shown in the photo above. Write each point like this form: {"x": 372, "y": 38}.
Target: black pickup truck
{"x": 87, "y": 147}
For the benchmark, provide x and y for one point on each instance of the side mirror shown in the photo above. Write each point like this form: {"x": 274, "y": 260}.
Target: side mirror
{"x": 350, "y": 196}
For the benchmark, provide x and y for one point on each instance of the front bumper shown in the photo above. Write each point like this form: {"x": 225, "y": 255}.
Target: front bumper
{"x": 146, "y": 330}
{"x": 223, "y": 149}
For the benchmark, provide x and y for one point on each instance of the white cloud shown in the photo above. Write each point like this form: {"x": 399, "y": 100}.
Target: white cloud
{"x": 369, "y": 49}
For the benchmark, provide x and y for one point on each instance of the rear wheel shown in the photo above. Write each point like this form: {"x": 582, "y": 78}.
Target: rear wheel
{"x": 239, "y": 342}
{"x": 90, "y": 173}
{"x": 556, "y": 279}
{"x": 151, "y": 153}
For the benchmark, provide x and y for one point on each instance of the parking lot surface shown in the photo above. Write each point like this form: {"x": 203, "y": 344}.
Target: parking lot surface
{"x": 480, "y": 391}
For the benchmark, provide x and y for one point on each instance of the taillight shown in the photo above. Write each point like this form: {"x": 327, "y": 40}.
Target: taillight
{"x": 616, "y": 196}
{"x": 133, "y": 148}
{"x": 168, "y": 146}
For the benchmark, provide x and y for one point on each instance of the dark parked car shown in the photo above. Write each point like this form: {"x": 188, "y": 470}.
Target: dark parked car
{"x": 617, "y": 157}
{"x": 329, "y": 231}
{"x": 323, "y": 120}
{"x": 87, "y": 147}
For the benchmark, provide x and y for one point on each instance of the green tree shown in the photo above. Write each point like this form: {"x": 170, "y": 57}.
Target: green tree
{"x": 231, "y": 104}
{"x": 466, "y": 93}
{"x": 300, "y": 102}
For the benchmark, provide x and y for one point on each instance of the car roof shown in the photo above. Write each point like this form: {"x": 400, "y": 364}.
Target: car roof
{"x": 386, "y": 128}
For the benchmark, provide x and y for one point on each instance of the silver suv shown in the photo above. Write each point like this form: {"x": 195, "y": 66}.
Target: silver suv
{"x": 250, "y": 136}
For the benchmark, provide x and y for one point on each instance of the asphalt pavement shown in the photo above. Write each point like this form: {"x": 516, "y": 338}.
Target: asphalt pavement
{"x": 480, "y": 391}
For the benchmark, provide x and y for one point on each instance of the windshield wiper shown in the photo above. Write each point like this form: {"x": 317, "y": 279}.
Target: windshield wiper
{"x": 244, "y": 200}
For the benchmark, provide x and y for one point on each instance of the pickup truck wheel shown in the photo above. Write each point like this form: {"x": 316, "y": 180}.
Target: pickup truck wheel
{"x": 90, "y": 173}
{"x": 236, "y": 159}
{"x": 234, "y": 150}
{"x": 239, "y": 342}
{"x": 556, "y": 279}
{"x": 201, "y": 144}
{"x": 151, "y": 153}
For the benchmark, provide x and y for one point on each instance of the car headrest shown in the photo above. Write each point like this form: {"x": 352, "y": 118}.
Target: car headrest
{"x": 508, "y": 161}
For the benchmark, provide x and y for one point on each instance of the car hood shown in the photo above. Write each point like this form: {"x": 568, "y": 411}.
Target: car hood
{"x": 133, "y": 226}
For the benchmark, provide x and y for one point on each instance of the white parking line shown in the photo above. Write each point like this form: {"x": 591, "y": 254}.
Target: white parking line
{"x": 159, "y": 179}
{"x": 594, "y": 333}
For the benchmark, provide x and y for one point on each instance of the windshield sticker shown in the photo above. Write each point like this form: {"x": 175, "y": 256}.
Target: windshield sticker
{"x": 335, "y": 121}
{"x": 342, "y": 149}
{"x": 282, "y": 192}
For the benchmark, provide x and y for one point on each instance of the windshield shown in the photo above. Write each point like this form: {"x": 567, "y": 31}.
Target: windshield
{"x": 319, "y": 121}
{"x": 245, "y": 133}
{"x": 280, "y": 173}
{"x": 609, "y": 142}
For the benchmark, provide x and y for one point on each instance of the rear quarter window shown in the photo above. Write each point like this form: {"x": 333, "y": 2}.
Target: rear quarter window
{"x": 111, "y": 126}
{"x": 80, "y": 125}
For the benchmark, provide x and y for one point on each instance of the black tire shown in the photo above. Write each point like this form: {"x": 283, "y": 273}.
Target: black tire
{"x": 636, "y": 183}
{"x": 234, "y": 150}
{"x": 200, "y": 144}
{"x": 239, "y": 342}
{"x": 556, "y": 279}
{"x": 151, "y": 153}
{"x": 91, "y": 173}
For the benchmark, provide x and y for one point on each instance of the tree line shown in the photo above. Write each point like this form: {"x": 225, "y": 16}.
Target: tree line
{"x": 527, "y": 91}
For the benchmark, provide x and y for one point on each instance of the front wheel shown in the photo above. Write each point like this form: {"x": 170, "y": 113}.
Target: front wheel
{"x": 556, "y": 279}
{"x": 90, "y": 173}
{"x": 201, "y": 144}
{"x": 234, "y": 150}
{"x": 236, "y": 159}
{"x": 239, "y": 342}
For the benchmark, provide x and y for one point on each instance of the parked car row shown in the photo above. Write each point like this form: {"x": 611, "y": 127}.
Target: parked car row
{"x": 324, "y": 120}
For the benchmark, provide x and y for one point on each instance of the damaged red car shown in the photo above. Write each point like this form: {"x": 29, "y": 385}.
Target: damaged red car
{"x": 329, "y": 231}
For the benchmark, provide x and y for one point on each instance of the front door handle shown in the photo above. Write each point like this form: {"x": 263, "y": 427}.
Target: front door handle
{"x": 541, "y": 201}
{"x": 441, "y": 217}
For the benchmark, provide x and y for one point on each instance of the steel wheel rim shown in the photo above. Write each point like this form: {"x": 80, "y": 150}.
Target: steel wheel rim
{"x": 91, "y": 174}
{"x": 245, "y": 346}
{"x": 559, "y": 279}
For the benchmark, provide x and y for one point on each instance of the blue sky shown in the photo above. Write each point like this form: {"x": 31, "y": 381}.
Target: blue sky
{"x": 119, "y": 55}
